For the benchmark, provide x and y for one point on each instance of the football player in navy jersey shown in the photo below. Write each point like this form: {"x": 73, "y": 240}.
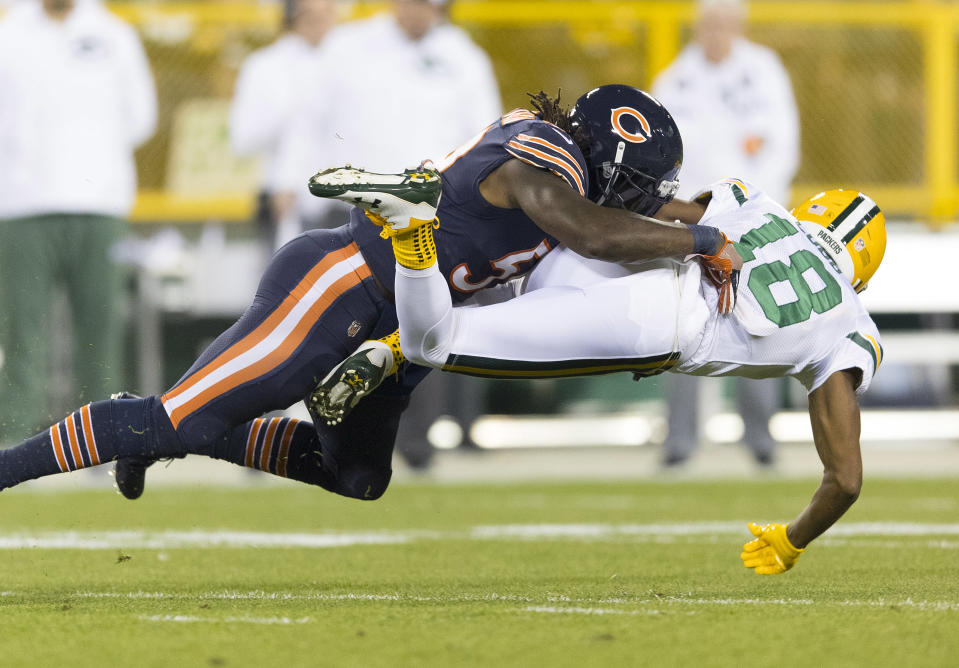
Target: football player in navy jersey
{"x": 503, "y": 208}
{"x": 526, "y": 183}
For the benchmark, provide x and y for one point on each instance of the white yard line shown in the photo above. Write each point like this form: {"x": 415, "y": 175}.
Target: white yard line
{"x": 892, "y": 544}
{"x": 217, "y": 538}
{"x": 550, "y": 604}
{"x": 587, "y": 611}
{"x": 549, "y": 600}
{"x": 931, "y": 606}
{"x": 935, "y": 606}
{"x": 290, "y": 596}
{"x": 113, "y": 540}
{"x": 225, "y": 620}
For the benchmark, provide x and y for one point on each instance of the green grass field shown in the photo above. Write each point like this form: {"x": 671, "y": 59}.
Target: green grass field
{"x": 611, "y": 574}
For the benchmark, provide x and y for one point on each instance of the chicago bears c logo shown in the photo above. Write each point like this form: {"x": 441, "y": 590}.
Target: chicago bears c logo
{"x": 632, "y": 117}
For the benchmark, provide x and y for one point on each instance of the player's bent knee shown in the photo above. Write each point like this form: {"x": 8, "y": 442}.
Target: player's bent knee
{"x": 430, "y": 351}
{"x": 422, "y": 358}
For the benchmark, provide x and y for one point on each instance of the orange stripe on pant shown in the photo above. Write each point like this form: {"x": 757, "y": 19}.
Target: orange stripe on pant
{"x": 86, "y": 421}
{"x": 280, "y": 352}
{"x": 58, "y": 448}
{"x": 268, "y": 325}
{"x": 276, "y": 357}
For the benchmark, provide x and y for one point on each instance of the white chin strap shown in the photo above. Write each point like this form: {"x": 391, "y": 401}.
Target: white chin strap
{"x": 610, "y": 167}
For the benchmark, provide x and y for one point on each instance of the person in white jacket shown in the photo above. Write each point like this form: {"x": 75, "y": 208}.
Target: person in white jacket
{"x": 76, "y": 98}
{"x": 402, "y": 86}
{"x": 273, "y": 86}
{"x": 733, "y": 102}
{"x": 407, "y": 85}
{"x": 408, "y": 63}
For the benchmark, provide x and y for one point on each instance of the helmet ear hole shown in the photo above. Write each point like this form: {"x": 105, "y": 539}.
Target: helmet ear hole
{"x": 850, "y": 229}
{"x": 632, "y": 147}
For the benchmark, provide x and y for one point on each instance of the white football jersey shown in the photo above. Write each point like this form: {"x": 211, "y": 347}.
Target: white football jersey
{"x": 795, "y": 314}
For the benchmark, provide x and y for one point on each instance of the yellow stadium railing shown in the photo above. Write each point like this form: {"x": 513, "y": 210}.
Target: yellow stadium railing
{"x": 906, "y": 119}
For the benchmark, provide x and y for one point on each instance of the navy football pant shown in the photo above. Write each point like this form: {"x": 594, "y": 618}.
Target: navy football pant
{"x": 316, "y": 301}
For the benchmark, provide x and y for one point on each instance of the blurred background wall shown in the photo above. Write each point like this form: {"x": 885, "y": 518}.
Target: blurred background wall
{"x": 876, "y": 84}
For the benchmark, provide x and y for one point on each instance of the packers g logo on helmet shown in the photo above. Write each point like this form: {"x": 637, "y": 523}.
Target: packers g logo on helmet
{"x": 849, "y": 226}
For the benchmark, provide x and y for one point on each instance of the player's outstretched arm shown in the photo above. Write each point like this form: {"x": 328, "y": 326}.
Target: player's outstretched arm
{"x": 594, "y": 231}
{"x": 834, "y": 413}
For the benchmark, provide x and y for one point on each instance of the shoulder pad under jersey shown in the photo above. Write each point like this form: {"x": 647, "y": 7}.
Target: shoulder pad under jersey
{"x": 545, "y": 146}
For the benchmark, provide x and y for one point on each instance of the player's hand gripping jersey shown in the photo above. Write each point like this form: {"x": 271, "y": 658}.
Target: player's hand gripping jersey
{"x": 796, "y": 314}
{"x": 480, "y": 245}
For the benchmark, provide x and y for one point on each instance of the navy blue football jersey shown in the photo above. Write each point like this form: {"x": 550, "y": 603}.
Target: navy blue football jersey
{"x": 480, "y": 245}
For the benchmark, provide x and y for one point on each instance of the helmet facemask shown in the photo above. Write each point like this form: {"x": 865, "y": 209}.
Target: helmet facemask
{"x": 630, "y": 189}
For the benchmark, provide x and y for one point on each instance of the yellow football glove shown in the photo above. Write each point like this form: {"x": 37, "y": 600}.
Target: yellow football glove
{"x": 771, "y": 552}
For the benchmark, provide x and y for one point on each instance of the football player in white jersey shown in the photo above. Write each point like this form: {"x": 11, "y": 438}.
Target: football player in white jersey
{"x": 797, "y": 314}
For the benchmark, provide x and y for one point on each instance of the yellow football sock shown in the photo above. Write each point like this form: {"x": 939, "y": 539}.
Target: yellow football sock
{"x": 415, "y": 249}
{"x": 393, "y": 341}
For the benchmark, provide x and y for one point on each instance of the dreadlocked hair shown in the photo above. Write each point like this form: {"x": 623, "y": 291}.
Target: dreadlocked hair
{"x": 552, "y": 111}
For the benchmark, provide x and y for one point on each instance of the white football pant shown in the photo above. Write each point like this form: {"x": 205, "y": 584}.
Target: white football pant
{"x": 576, "y": 317}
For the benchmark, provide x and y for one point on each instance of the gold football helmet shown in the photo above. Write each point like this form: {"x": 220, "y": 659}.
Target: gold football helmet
{"x": 850, "y": 228}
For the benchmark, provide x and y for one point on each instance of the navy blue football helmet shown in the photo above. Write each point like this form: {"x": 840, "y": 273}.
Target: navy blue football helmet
{"x": 632, "y": 148}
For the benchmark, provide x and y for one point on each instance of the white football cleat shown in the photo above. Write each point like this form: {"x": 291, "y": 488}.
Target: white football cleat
{"x": 398, "y": 202}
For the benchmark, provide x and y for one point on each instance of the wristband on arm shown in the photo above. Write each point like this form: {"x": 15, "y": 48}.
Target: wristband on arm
{"x": 706, "y": 240}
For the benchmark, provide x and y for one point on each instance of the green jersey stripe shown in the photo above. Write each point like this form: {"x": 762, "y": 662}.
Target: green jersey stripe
{"x": 489, "y": 367}
{"x": 738, "y": 193}
{"x": 864, "y": 343}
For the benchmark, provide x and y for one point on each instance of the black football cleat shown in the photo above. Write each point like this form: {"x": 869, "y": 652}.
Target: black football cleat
{"x": 129, "y": 473}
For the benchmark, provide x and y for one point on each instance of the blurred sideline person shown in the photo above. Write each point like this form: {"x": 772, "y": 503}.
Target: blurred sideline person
{"x": 403, "y": 62}
{"x": 76, "y": 98}
{"x": 521, "y": 188}
{"x": 797, "y": 314}
{"x": 416, "y": 87}
{"x": 271, "y": 88}
{"x": 409, "y": 60}
{"x": 734, "y": 105}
